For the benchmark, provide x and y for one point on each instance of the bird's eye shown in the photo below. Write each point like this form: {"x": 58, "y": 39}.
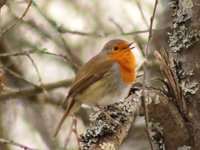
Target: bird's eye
{"x": 115, "y": 48}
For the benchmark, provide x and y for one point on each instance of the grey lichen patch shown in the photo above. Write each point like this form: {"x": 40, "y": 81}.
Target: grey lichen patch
{"x": 107, "y": 146}
{"x": 189, "y": 88}
{"x": 173, "y": 4}
{"x": 187, "y": 4}
{"x": 157, "y": 134}
{"x": 185, "y": 147}
{"x": 102, "y": 127}
{"x": 154, "y": 100}
{"x": 180, "y": 73}
{"x": 182, "y": 35}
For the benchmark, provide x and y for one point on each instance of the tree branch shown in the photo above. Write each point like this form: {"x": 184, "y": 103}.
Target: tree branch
{"x": 21, "y": 18}
{"x": 35, "y": 90}
{"x": 102, "y": 133}
{"x": 11, "y": 142}
{"x": 90, "y": 34}
{"x": 168, "y": 121}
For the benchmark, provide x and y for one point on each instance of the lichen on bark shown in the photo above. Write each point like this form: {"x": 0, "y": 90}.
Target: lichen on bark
{"x": 157, "y": 135}
{"x": 101, "y": 128}
{"x": 188, "y": 87}
{"x": 182, "y": 35}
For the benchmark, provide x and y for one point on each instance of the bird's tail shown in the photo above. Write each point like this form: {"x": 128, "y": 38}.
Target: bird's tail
{"x": 71, "y": 107}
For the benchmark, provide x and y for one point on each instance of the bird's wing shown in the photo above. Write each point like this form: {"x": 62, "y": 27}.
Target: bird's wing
{"x": 92, "y": 71}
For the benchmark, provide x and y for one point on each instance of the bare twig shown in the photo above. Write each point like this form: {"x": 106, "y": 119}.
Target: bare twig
{"x": 19, "y": 53}
{"x": 34, "y": 51}
{"x": 142, "y": 13}
{"x": 1, "y": 79}
{"x": 38, "y": 74}
{"x": 75, "y": 130}
{"x": 140, "y": 32}
{"x": 18, "y": 76}
{"x": 11, "y": 142}
{"x": 73, "y": 60}
{"x": 35, "y": 90}
{"x": 69, "y": 135}
{"x": 100, "y": 34}
{"x": 80, "y": 33}
{"x": 57, "y": 55}
{"x": 144, "y": 77}
{"x": 117, "y": 25}
{"x": 17, "y": 21}
{"x": 74, "y": 64}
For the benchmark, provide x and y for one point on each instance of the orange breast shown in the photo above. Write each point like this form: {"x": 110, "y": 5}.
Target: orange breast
{"x": 127, "y": 62}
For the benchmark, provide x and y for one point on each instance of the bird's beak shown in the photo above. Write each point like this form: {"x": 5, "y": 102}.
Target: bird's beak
{"x": 129, "y": 46}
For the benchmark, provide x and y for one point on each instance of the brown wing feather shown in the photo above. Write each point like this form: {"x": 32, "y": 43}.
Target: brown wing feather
{"x": 92, "y": 71}
{"x": 88, "y": 74}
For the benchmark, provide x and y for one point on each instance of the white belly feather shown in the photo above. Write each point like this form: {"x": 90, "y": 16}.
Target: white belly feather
{"x": 106, "y": 91}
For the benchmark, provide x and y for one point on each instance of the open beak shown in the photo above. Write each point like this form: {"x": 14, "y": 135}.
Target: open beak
{"x": 130, "y": 46}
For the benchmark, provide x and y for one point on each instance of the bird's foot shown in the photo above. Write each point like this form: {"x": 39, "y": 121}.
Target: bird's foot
{"x": 117, "y": 123}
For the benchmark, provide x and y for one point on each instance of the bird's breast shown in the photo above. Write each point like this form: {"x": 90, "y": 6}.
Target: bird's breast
{"x": 127, "y": 64}
{"x": 108, "y": 90}
{"x": 117, "y": 89}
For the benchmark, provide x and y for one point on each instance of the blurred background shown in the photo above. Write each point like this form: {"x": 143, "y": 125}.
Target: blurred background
{"x": 44, "y": 42}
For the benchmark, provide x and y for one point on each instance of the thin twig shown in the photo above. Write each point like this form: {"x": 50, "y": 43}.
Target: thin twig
{"x": 19, "y": 53}
{"x": 17, "y": 21}
{"x": 18, "y": 76}
{"x": 27, "y": 53}
{"x": 74, "y": 61}
{"x": 117, "y": 25}
{"x": 75, "y": 130}
{"x": 142, "y": 13}
{"x": 1, "y": 80}
{"x": 69, "y": 135}
{"x": 11, "y": 142}
{"x": 42, "y": 51}
{"x": 33, "y": 51}
{"x": 57, "y": 55}
{"x": 38, "y": 74}
{"x": 35, "y": 90}
{"x": 65, "y": 31}
{"x": 68, "y": 58}
{"x": 80, "y": 33}
{"x": 144, "y": 77}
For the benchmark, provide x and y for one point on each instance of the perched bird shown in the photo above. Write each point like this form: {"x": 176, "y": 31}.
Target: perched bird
{"x": 103, "y": 80}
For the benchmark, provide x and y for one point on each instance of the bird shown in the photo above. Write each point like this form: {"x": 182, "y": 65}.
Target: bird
{"x": 103, "y": 80}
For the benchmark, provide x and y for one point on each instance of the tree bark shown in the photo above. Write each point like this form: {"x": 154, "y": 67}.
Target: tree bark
{"x": 185, "y": 31}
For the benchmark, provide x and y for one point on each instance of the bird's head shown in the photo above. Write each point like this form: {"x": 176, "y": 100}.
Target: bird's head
{"x": 117, "y": 45}
{"x": 117, "y": 49}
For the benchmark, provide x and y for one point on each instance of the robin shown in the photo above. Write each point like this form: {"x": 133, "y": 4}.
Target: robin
{"x": 103, "y": 80}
